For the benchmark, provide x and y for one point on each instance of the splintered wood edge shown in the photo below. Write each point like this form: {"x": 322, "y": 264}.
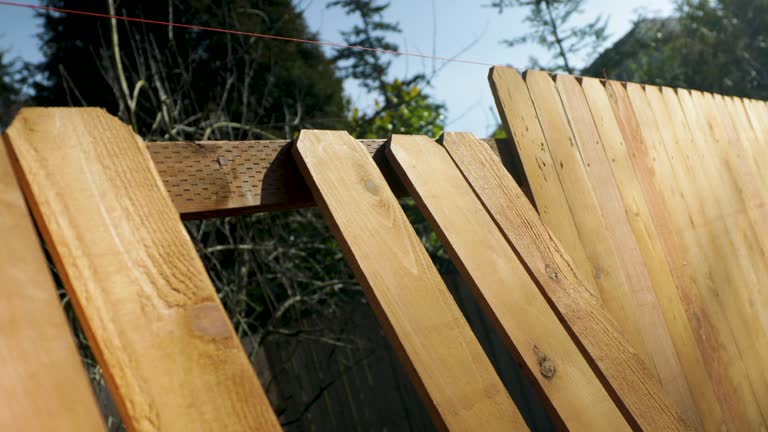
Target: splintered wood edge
{"x": 208, "y": 179}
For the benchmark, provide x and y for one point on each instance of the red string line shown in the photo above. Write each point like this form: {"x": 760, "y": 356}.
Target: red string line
{"x": 237, "y": 32}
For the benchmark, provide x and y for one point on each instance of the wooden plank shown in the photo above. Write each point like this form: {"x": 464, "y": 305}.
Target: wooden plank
{"x": 648, "y": 240}
{"x": 529, "y": 328}
{"x": 618, "y": 159}
{"x": 733, "y": 109}
{"x": 756, "y": 112}
{"x": 624, "y": 374}
{"x": 629, "y": 225}
{"x": 709, "y": 256}
{"x": 437, "y": 347}
{"x": 656, "y": 336}
{"x": 734, "y": 250}
{"x": 742, "y": 171}
{"x": 169, "y": 353}
{"x": 743, "y": 215}
{"x": 518, "y": 115}
{"x": 224, "y": 178}
{"x": 43, "y": 385}
{"x": 616, "y": 287}
{"x": 671, "y": 178}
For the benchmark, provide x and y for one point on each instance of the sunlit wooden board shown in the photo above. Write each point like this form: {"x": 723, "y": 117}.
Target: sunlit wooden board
{"x": 446, "y": 363}
{"x": 626, "y": 377}
{"x": 528, "y": 326}
{"x": 693, "y": 378}
{"x": 736, "y": 247}
{"x": 43, "y": 385}
{"x": 616, "y": 213}
{"x": 673, "y": 180}
{"x": 616, "y": 286}
{"x": 168, "y": 351}
{"x": 521, "y": 123}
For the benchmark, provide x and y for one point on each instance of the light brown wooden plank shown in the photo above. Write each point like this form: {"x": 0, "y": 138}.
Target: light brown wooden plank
{"x": 744, "y": 178}
{"x": 510, "y": 297}
{"x": 734, "y": 250}
{"x": 618, "y": 161}
{"x": 706, "y": 237}
{"x": 589, "y": 145}
{"x": 624, "y": 374}
{"x": 168, "y": 351}
{"x": 445, "y": 361}
{"x": 42, "y": 382}
{"x": 756, "y": 111}
{"x": 737, "y": 119}
{"x": 670, "y": 177}
{"x": 521, "y": 124}
{"x": 672, "y": 181}
{"x": 616, "y": 287}
{"x": 223, "y": 178}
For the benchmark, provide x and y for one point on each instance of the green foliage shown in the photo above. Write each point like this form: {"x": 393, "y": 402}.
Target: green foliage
{"x": 186, "y": 84}
{"x": 405, "y": 110}
{"x": 402, "y": 106}
{"x": 552, "y": 28}
{"x": 370, "y": 67}
{"x": 270, "y": 269}
{"x": 11, "y": 89}
{"x": 719, "y": 46}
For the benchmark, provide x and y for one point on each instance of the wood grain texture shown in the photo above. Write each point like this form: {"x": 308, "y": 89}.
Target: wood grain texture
{"x": 521, "y": 123}
{"x": 666, "y": 174}
{"x": 672, "y": 181}
{"x": 509, "y": 296}
{"x": 624, "y": 374}
{"x": 43, "y": 385}
{"x": 705, "y": 413}
{"x": 712, "y": 256}
{"x": 615, "y": 211}
{"x": 167, "y": 348}
{"x": 613, "y": 281}
{"x": 734, "y": 247}
{"x": 208, "y": 179}
{"x": 445, "y": 361}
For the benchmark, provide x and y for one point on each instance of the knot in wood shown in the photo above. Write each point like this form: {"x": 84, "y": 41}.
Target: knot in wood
{"x": 209, "y": 320}
{"x": 546, "y": 365}
{"x": 598, "y": 273}
{"x": 370, "y": 185}
{"x": 551, "y": 272}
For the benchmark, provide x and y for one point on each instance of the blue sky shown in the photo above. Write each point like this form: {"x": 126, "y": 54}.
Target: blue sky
{"x": 442, "y": 27}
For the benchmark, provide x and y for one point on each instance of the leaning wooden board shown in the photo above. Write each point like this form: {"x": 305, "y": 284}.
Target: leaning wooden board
{"x": 43, "y": 385}
{"x": 168, "y": 351}
{"x": 684, "y": 206}
{"x": 446, "y": 363}
{"x": 528, "y": 326}
{"x": 734, "y": 235}
{"x": 512, "y": 96}
{"x": 626, "y": 377}
{"x": 674, "y": 179}
{"x": 656, "y": 335}
{"x": 618, "y": 162}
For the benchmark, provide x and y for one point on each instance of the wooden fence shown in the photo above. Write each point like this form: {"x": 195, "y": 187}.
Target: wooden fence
{"x": 632, "y": 296}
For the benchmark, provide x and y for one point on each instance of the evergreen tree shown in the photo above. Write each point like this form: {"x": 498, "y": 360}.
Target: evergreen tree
{"x": 181, "y": 83}
{"x": 552, "y": 27}
{"x": 402, "y": 105}
{"x": 718, "y": 46}
{"x": 10, "y": 90}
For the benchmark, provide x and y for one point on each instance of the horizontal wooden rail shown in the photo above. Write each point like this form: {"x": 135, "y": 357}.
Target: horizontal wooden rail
{"x": 226, "y": 178}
